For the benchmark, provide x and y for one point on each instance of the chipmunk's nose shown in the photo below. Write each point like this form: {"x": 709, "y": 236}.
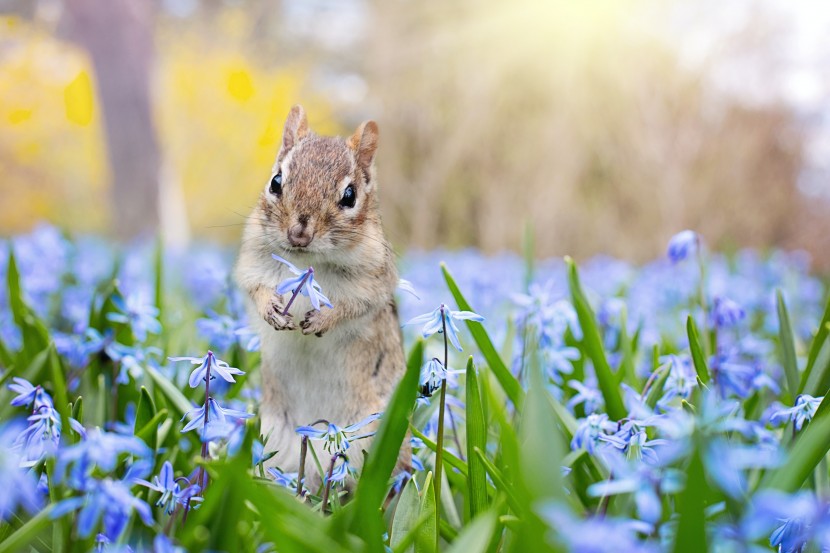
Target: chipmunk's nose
{"x": 299, "y": 235}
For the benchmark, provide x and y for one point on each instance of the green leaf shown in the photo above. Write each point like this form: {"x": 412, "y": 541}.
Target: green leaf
{"x": 407, "y": 514}
{"x": 176, "y": 398}
{"x": 816, "y": 381}
{"x": 698, "y": 359}
{"x": 807, "y": 451}
{"x": 476, "y": 438}
{"x": 33, "y": 332}
{"x": 506, "y": 379}
{"x": 149, "y": 432}
{"x": 59, "y": 385}
{"x": 501, "y": 483}
{"x": 428, "y": 536}
{"x": 542, "y": 446}
{"x": 27, "y": 533}
{"x": 78, "y": 410}
{"x": 145, "y": 411}
{"x": 819, "y": 342}
{"x": 691, "y": 528}
{"x": 383, "y": 454}
{"x": 785, "y": 333}
{"x": 475, "y": 537}
{"x": 593, "y": 347}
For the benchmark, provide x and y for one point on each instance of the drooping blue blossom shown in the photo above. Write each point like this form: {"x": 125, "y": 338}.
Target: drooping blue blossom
{"x": 208, "y": 363}
{"x": 682, "y": 245}
{"x": 644, "y": 482}
{"x": 106, "y": 501}
{"x": 101, "y": 450}
{"x": 172, "y": 493}
{"x": 443, "y": 317}
{"x": 342, "y": 470}
{"x": 284, "y": 479}
{"x": 432, "y": 374}
{"x": 803, "y": 411}
{"x": 302, "y": 283}
{"x": 589, "y": 397}
{"x": 216, "y": 419}
{"x": 594, "y": 534}
{"x": 131, "y": 360}
{"x": 138, "y": 313}
{"x": 589, "y": 431}
{"x": 727, "y": 462}
{"x": 681, "y": 381}
{"x": 726, "y": 313}
{"x": 335, "y": 438}
{"x": 19, "y": 485}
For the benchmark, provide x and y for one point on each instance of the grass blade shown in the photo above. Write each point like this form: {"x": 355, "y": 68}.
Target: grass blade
{"x": 819, "y": 341}
{"x": 475, "y": 537}
{"x": 27, "y": 533}
{"x": 807, "y": 451}
{"x": 785, "y": 334}
{"x": 476, "y": 439}
{"x": 506, "y": 379}
{"x": 407, "y": 514}
{"x": 593, "y": 347}
{"x": 173, "y": 395}
{"x": 383, "y": 454}
{"x": 691, "y": 528}
{"x": 698, "y": 359}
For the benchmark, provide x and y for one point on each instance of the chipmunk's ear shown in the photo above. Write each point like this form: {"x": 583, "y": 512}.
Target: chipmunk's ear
{"x": 364, "y": 143}
{"x": 296, "y": 127}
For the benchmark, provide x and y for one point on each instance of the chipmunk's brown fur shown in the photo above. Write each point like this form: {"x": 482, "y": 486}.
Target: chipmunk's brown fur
{"x": 339, "y": 364}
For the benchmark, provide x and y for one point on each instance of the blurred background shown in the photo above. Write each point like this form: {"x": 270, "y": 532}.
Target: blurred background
{"x": 603, "y": 126}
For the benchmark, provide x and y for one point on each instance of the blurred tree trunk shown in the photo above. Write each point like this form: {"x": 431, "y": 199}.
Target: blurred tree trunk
{"x": 118, "y": 34}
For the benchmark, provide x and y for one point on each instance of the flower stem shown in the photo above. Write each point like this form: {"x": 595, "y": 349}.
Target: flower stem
{"x": 327, "y": 489}
{"x": 439, "y": 449}
{"x": 202, "y": 473}
{"x": 297, "y": 290}
{"x": 301, "y": 470}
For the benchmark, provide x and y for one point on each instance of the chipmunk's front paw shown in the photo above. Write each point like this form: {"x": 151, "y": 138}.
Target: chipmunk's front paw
{"x": 315, "y": 322}
{"x": 275, "y": 318}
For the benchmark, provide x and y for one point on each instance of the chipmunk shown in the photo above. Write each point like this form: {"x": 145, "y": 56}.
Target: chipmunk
{"x": 340, "y": 364}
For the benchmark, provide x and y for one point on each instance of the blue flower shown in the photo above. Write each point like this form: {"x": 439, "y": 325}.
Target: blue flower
{"x": 644, "y": 482}
{"x": 590, "y": 397}
{"x": 341, "y": 472}
{"x": 336, "y": 438}
{"x": 208, "y": 364}
{"x": 442, "y": 317}
{"x": 589, "y": 431}
{"x": 803, "y": 411}
{"x": 108, "y": 500}
{"x": 168, "y": 486}
{"x": 682, "y": 245}
{"x": 726, "y": 313}
{"x": 99, "y": 449}
{"x": 20, "y": 487}
{"x": 284, "y": 479}
{"x": 303, "y": 283}
{"x": 432, "y": 374}
{"x": 141, "y": 316}
{"x": 26, "y": 392}
{"x": 130, "y": 359}
{"x": 217, "y": 417}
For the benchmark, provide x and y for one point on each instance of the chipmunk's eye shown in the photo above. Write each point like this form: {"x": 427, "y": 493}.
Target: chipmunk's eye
{"x": 276, "y": 184}
{"x": 349, "y": 197}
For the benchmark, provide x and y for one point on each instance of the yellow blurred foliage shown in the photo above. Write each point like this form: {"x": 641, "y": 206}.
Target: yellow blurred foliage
{"x": 79, "y": 100}
{"x": 219, "y": 118}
